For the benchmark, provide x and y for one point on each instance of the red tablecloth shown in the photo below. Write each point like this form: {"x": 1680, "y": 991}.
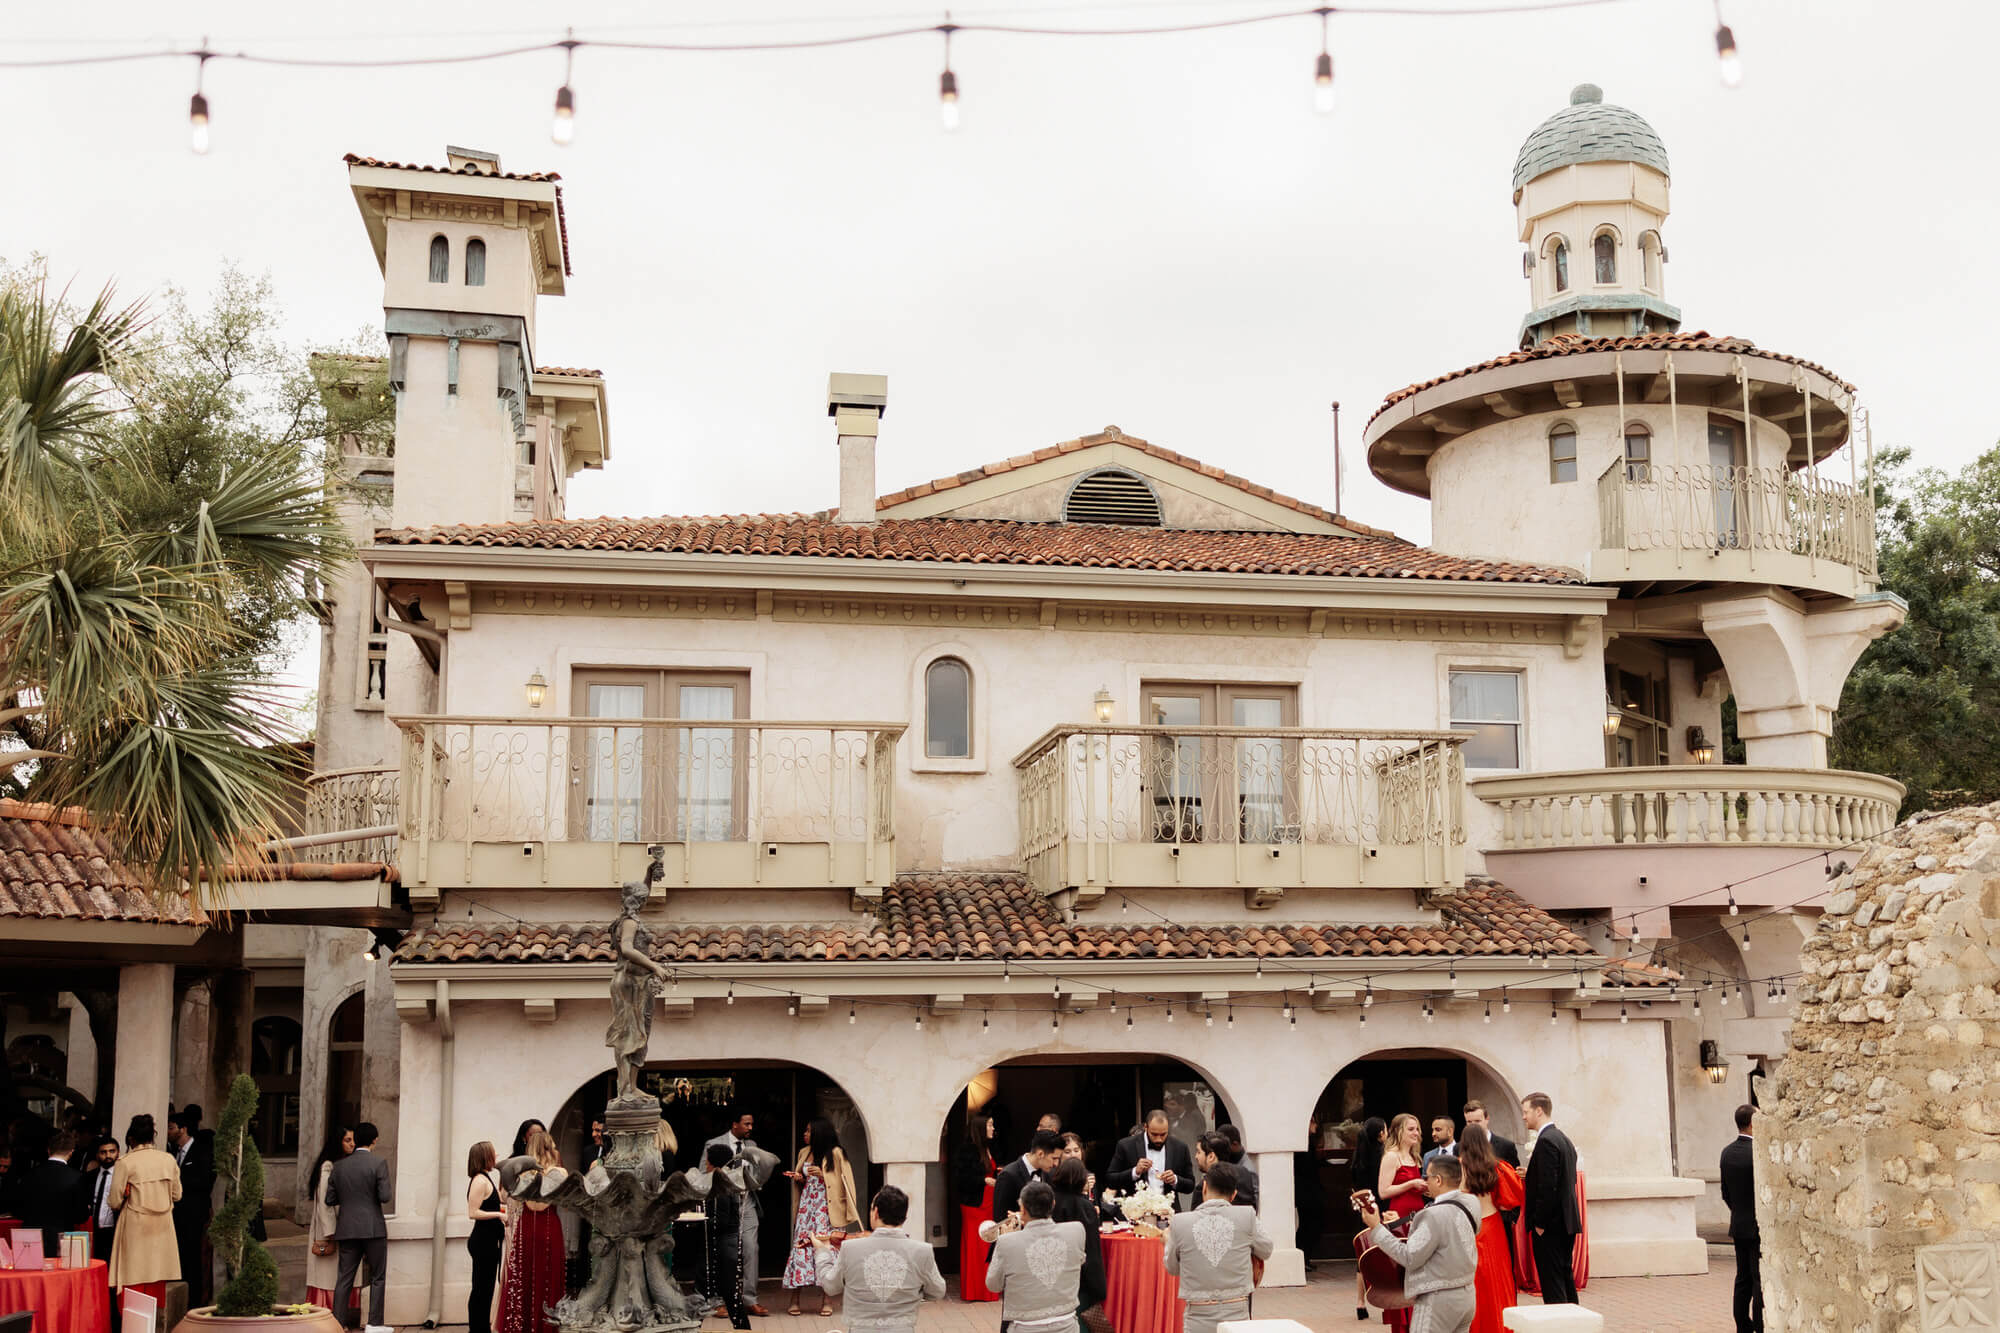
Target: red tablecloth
{"x": 65, "y": 1300}
{"x": 1140, "y": 1295}
{"x": 7, "y": 1225}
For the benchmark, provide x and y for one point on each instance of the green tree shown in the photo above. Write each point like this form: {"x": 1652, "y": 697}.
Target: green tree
{"x": 250, "y": 1283}
{"x": 1923, "y": 703}
{"x": 168, "y": 526}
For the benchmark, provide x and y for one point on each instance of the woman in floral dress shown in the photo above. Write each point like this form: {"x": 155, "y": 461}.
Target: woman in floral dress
{"x": 823, "y": 1202}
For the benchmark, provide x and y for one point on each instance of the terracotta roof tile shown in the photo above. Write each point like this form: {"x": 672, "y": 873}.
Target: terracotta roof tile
{"x": 1112, "y": 435}
{"x": 987, "y": 916}
{"x": 1570, "y": 344}
{"x": 1635, "y": 972}
{"x": 54, "y": 866}
{"x": 991, "y": 541}
{"x": 550, "y": 177}
{"x": 570, "y": 372}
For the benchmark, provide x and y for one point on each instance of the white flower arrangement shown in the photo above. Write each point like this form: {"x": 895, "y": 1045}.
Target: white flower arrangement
{"x": 1147, "y": 1204}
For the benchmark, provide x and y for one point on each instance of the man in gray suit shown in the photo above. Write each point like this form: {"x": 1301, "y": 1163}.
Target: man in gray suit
{"x": 1441, "y": 1253}
{"x": 1215, "y": 1249}
{"x": 1037, "y": 1267}
{"x": 885, "y": 1274}
{"x": 737, "y": 1139}
{"x": 359, "y": 1188}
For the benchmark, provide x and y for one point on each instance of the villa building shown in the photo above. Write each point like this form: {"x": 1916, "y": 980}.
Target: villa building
{"x": 1095, "y": 778}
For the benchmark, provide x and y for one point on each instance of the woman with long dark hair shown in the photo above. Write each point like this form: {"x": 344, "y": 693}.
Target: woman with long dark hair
{"x": 528, "y": 1126}
{"x": 822, "y": 1203}
{"x": 533, "y": 1277}
{"x": 486, "y": 1205}
{"x": 1361, "y": 1174}
{"x": 1498, "y": 1188}
{"x": 1070, "y": 1179}
{"x": 322, "y": 1253}
{"x": 972, "y": 1174}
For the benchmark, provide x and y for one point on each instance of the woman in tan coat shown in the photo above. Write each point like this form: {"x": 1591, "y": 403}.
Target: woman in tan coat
{"x": 144, "y": 1186}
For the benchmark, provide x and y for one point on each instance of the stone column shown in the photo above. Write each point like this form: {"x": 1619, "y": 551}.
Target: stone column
{"x": 908, "y": 1177}
{"x": 232, "y": 1008}
{"x": 145, "y": 1047}
{"x": 1276, "y": 1209}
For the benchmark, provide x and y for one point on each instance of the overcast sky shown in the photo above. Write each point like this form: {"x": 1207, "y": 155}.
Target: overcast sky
{"x": 1154, "y": 232}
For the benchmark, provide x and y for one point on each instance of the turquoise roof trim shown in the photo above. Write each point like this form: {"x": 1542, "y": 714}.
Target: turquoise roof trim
{"x": 1589, "y": 130}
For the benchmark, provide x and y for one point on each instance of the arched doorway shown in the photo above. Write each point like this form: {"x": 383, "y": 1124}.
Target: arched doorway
{"x": 697, "y": 1101}
{"x": 345, "y": 1033}
{"x": 1427, "y": 1082}
{"x": 276, "y": 1046}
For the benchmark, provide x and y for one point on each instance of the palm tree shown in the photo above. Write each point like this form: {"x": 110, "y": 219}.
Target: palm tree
{"x": 126, "y": 687}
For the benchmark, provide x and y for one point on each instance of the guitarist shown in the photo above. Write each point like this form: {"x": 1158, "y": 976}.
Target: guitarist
{"x": 1441, "y": 1253}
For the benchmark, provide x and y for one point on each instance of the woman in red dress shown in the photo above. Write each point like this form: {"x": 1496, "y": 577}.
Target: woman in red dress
{"x": 1400, "y": 1187}
{"x": 972, "y": 1172}
{"x": 534, "y": 1278}
{"x": 1498, "y": 1187}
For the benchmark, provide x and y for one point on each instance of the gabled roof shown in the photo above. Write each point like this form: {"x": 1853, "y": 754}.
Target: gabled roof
{"x": 992, "y": 541}
{"x": 944, "y": 916}
{"x": 537, "y": 177}
{"x": 1112, "y": 435}
{"x": 54, "y": 866}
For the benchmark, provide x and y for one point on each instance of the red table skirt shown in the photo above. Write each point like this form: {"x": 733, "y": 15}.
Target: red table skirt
{"x": 1140, "y": 1295}
{"x": 7, "y": 1225}
{"x": 65, "y": 1300}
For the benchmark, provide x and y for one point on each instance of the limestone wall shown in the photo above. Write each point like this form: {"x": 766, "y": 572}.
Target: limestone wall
{"x": 1878, "y": 1190}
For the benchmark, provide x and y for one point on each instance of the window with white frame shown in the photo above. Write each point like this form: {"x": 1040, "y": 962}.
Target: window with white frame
{"x": 1488, "y": 704}
{"x": 475, "y": 263}
{"x": 948, "y": 709}
{"x": 1604, "y": 257}
{"x": 1562, "y": 452}
{"x": 440, "y": 259}
{"x": 1638, "y": 452}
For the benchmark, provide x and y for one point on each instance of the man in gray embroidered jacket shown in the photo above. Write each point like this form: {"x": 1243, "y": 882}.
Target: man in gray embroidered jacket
{"x": 1036, "y": 1269}
{"x": 886, "y": 1274}
{"x": 1440, "y": 1254}
{"x": 1214, "y": 1251}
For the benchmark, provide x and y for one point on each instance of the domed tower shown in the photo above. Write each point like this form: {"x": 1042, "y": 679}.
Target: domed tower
{"x": 1590, "y": 197}
{"x": 1703, "y": 476}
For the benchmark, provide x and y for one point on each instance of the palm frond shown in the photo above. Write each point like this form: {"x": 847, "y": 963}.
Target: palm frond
{"x": 51, "y": 381}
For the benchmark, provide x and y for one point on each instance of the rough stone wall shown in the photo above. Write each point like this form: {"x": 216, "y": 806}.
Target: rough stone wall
{"x": 1878, "y": 1173}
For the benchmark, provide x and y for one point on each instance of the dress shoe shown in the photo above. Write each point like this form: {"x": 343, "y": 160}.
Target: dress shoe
{"x": 760, "y": 1312}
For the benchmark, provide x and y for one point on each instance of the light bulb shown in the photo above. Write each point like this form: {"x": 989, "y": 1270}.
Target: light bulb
{"x": 1128, "y": 1022}
{"x": 1552, "y": 1013}
{"x": 1730, "y": 889}
{"x": 1506, "y": 1005}
{"x": 920, "y": 1022}
{"x": 563, "y": 128}
{"x": 730, "y": 998}
{"x": 1208, "y": 1020}
{"x": 198, "y": 123}
{"x": 1746, "y": 939}
{"x": 948, "y": 100}
{"x": 1621, "y": 1013}
{"x": 850, "y": 1015}
{"x": 1364, "y": 1018}
{"x": 1170, "y": 1013}
{"x": 1489, "y": 1012}
{"x": 1732, "y": 64}
{"x": 1323, "y": 84}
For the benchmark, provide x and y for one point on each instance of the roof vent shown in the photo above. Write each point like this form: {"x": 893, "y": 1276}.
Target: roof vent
{"x": 1113, "y": 495}
{"x": 472, "y": 159}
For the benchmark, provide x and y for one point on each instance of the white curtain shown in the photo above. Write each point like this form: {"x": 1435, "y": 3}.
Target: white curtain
{"x": 1260, "y": 774}
{"x": 706, "y": 767}
{"x": 614, "y": 773}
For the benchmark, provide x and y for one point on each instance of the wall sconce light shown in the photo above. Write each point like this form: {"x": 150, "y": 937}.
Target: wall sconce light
{"x": 1700, "y": 749}
{"x": 1612, "y": 717}
{"x": 1712, "y": 1062}
{"x": 538, "y": 690}
{"x": 1104, "y": 702}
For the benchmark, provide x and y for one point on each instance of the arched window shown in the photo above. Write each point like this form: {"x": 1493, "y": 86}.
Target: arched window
{"x": 440, "y": 259}
{"x": 1638, "y": 452}
{"x": 475, "y": 263}
{"x": 948, "y": 709}
{"x": 1560, "y": 257}
{"x": 1604, "y": 255}
{"x": 1113, "y": 495}
{"x": 1649, "y": 260}
{"x": 1562, "y": 452}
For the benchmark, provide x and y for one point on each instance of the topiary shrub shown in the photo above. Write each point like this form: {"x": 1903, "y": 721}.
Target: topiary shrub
{"x": 250, "y": 1285}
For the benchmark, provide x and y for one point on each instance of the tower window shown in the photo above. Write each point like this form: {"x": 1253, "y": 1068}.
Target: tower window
{"x": 1649, "y": 260}
{"x": 1638, "y": 452}
{"x": 1562, "y": 266}
{"x": 475, "y": 263}
{"x": 440, "y": 259}
{"x": 947, "y": 709}
{"x": 1604, "y": 253}
{"x": 1562, "y": 453}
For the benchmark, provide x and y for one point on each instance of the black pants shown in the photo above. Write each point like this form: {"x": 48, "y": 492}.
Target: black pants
{"x": 485, "y": 1273}
{"x": 729, "y": 1276}
{"x": 1554, "y": 1251}
{"x": 190, "y": 1230}
{"x": 375, "y": 1249}
{"x": 1749, "y": 1304}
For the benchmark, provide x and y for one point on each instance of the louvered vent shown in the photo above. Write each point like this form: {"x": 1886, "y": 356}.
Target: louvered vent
{"x": 1113, "y": 495}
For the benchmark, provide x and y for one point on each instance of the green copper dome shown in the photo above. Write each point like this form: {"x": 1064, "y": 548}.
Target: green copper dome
{"x": 1589, "y": 130}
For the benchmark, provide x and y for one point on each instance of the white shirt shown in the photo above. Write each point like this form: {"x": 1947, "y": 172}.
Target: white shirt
{"x": 106, "y": 1219}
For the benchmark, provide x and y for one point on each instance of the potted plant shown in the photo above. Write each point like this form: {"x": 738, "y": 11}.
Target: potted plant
{"x": 249, "y": 1295}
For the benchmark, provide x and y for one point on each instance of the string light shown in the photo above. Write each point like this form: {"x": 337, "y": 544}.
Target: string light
{"x": 1055, "y": 1022}
{"x": 1724, "y": 999}
{"x": 1288, "y": 1004}
{"x": 730, "y": 998}
{"x": 1128, "y": 1022}
{"x": 198, "y": 121}
{"x": 1506, "y": 1003}
{"x": 792, "y": 1005}
{"x": 920, "y": 1020}
{"x": 1489, "y": 1012}
{"x": 1368, "y": 995}
{"x": 1725, "y": 50}
{"x": 1231, "y": 1024}
{"x": 1746, "y": 937}
{"x": 1170, "y": 1013}
{"x": 563, "y": 127}
{"x": 984, "y": 1026}
{"x": 1622, "y": 1017}
{"x": 1697, "y": 1004}
{"x": 674, "y": 979}
{"x": 1730, "y": 889}
{"x": 948, "y": 82}
{"x": 1007, "y": 971}
{"x": 850, "y": 1013}
{"x": 1552, "y": 1011}
{"x": 1208, "y": 1018}
{"x": 1292, "y": 1018}
{"x": 1323, "y": 69}
{"x": 1363, "y": 1014}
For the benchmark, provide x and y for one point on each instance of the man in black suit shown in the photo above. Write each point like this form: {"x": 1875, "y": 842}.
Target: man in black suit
{"x": 196, "y": 1160}
{"x": 1212, "y": 1150}
{"x": 97, "y": 1183}
{"x": 359, "y": 1188}
{"x": 1153, "y": 1154}
{"x": 1553, "y": 1215}
{"x": 1503, "y": 1147}
{"x": 1739, "y": 1192}
{"x": 1044, "y": 1151}
{"x": 51, "y": 1196}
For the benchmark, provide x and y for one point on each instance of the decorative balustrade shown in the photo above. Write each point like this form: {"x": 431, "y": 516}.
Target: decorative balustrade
{"x": 1219, "y": 807}
{"x": 355, "y": 799}
{"x": 1695, "y": 508}
{"x": 736, "y": 802}
{"x": 1693, "y": 803}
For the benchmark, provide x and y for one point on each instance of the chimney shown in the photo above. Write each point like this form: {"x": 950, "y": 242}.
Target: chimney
{"x": 856, "y": 404}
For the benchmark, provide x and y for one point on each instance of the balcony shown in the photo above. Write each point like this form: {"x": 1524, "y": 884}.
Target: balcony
{"x": 1229, "y": 807}
{"x": 351, "y": 815}
{"x": 1680, "y": 525}
{"x": 575, "y": 802}
{"x": 1627, "y": 837}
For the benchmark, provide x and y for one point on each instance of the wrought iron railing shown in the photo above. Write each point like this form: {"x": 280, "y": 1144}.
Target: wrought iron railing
{"x": 1694, "y": 803}
{"x": 1695, "y": 507}
{"x": 1091, "y": 795}
{"x": 352, "y": 799}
